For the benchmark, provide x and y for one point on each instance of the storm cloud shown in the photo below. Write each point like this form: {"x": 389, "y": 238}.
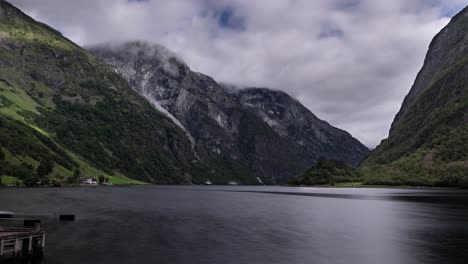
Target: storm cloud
{"x": 351, "y": 62}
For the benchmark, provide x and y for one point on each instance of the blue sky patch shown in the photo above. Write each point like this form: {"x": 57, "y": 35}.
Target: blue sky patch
{"x": 228, "y": 19}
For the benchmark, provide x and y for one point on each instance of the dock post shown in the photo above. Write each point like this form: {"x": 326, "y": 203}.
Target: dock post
{"x": 1, "y": 247}
{"x": 17, "y": 247}
{"x": 30, "y": 245}
{"x": 43, "y": 240}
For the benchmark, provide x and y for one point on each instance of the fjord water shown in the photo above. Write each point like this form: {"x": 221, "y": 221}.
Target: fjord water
{"x": 217, "y": 224}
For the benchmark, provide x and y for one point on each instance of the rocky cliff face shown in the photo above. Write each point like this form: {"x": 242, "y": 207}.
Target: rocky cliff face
{"x": 428, "y": 140}
{"x": 304, "y": 137}
{"x": 241, "y": 135}
{"x": 294, "y": 122}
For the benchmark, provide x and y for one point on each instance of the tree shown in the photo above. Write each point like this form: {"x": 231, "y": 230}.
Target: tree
{"x": 77, "y": 174}
{"x": 2, "y": 154}
{"x": 45, "y": 167}
{"x": 327, "y": 172}
{"x": 463, "y": 183}
{"x": 31, "y": 181}
{"x": 102, "y": 179}
{"x": 22, "y": 171}
{"x": 75, "y": 178}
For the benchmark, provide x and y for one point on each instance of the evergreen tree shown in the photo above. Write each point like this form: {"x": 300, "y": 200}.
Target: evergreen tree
{"x": 77, "y": 174}
{"x": 45, "y": 167}
{"x": 2, "y": 154}
{"x": 31, "y": 181}
{"x": 75, "y": 178}
{"x": 22, "y": 171}
{"x": 102, "y": 179}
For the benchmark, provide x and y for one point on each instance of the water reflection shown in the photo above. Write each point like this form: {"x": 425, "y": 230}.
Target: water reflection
{"x": 249, "y": 224}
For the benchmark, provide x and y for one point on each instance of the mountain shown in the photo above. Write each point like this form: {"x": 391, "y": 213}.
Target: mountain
{"x": 60, "y": 105}
{"x": 239, "y": 134}
{"x": 293, "y": 121}
{"x": 428, "y": 140}
{"x": 147, "y": 116}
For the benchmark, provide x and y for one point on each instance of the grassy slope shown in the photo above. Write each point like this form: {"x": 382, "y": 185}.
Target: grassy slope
{"x": 17, "y": 105}
{"x": 10, "y": 180}
{"x": 48, "y": 83}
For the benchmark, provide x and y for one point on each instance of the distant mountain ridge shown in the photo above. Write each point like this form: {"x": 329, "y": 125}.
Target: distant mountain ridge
{"x": 292, "y": 120}
{"x": 254, "y": 131}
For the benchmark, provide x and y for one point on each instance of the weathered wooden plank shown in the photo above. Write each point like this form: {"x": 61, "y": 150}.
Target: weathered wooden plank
{"x": 13, "y": 241}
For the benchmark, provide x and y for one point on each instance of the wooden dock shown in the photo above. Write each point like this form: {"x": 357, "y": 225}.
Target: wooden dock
{"x": 18, "y": 242}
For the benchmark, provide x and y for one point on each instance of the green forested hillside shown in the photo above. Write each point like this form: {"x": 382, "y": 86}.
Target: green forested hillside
{"x": 428, "y": 141}
{"x": 327, "y": 172}
{"x": 60, "y": 105}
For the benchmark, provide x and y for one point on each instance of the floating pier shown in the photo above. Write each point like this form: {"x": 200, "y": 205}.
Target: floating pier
{"x": 19, "y": 242}
{"x": 28, "y": 241}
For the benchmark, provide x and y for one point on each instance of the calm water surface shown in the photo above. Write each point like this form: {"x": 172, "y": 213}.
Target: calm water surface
{"x": 217, "y": 224}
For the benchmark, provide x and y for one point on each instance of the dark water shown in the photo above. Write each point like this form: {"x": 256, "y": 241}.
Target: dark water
{"x": 170, "y": 224}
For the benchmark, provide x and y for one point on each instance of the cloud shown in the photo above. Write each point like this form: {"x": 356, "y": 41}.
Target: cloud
{"x": 351, "y": 62}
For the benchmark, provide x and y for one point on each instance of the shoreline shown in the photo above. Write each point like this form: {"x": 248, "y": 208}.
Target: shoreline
{"x": 225, "y": 185}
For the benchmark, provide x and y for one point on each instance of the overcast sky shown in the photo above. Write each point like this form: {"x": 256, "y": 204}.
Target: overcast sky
{"x": 351, "y": 62}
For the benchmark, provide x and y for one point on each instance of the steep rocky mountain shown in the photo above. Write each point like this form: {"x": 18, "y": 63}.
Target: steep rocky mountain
{"x": 428, "y": 140}
{"x": 240, "y": 134}
{"x": 60, "y": 104}
{"x": 160, "y": 123}
{"x": 291, "y": 120}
